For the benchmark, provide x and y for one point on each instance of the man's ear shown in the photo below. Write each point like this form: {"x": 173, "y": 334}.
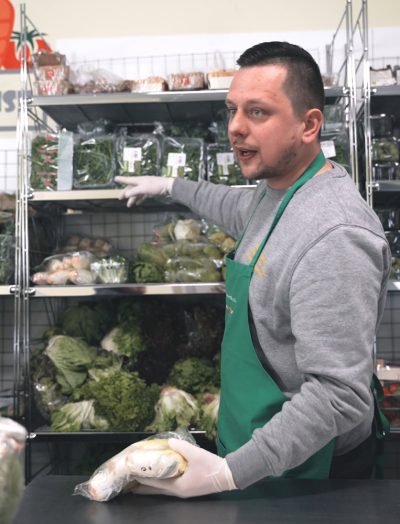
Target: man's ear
{"x": 312, "y": 122}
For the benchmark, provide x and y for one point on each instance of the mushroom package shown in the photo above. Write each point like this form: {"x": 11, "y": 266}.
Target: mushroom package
{"x": 151, "y": 457}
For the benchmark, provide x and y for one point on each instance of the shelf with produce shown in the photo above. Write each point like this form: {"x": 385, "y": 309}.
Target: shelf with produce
{"x": 99, "y": 436}
{"x": 128, "y": 290}
{"x": 141, "y": 108}
{"x": 386, "y": 99}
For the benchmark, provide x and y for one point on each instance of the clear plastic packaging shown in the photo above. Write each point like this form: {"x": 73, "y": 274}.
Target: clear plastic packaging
{"x": 335, "y": 146}
{"x": 12, "y": 447}
{"x": 386, "y": 171}
{"x": 333, "y": 118}
{"x": 6, "y": 246}
{"x": 385, "y": 149}
{"x": 220, "y": 79}
{"x": 99, "y": 246}
{"x": 382, "y": 77}
{"x": 51, "y": 161}
{"x": 89, "y": 80}
{"x": 51, "y": 87}
{"x": 381, "y": 125}
{"x": 222, "y": 166}
{"x": 6, "y": 270}
{"x": 154, "y": 84}
{"x": 149, "y": 458}
{"x": 395, "y": 273}
{"x": 43, "y": 58}
{"x": 393, "y": 237}
{"x": 330, "y": 79}
{"x": 186, "y": 81}
{"x": 183, "y": 158}
{"x": 63, "y": 269}
{"x": 138, "y": 154}
{"x": 54, "y": 73}
{"x": 94, "y": 162}
{"x": 112, "y": 269}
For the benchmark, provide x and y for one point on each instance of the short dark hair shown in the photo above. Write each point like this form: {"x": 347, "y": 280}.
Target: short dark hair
{"x": 303, "y": 84}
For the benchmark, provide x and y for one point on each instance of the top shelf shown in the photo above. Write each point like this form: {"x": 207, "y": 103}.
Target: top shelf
{"x": 141, "y": 108}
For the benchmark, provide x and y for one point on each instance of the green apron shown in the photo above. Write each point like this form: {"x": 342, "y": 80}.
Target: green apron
{"x": 249, "y": 396}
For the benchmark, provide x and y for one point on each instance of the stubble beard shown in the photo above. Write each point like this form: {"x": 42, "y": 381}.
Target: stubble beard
{"x": 265, "y": 172}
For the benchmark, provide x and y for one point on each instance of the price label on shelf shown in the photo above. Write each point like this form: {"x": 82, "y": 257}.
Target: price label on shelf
{"x": 131, "y": 155}
{"x": 176, "y": 164}
{"x": 328, "y": 148}
{"x": 224, "y": 160}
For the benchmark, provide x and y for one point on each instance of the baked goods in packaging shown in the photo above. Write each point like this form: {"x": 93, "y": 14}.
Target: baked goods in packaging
{"x": 154, "y": 84}
{"x": 220, "y": 79}
{"x": 186, "y": 81}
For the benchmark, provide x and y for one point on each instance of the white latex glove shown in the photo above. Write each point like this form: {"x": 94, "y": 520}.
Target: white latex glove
{"x": 205, "y": 473}
{"x": 141, "y": 187}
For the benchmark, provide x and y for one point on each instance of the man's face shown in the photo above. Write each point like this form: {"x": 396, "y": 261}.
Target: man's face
{"x": 263, "y": 130}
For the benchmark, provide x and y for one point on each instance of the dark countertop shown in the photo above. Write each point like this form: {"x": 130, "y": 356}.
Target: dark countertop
{"x": 48, "y": 500}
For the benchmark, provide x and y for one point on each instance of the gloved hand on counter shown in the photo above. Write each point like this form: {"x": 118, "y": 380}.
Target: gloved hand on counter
{"x": 140, "y": 187}
{"x": 205, "y": 473}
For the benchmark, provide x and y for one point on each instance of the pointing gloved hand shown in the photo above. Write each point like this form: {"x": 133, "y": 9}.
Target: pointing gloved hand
{"x": 205, "y": 473}
{"x": 140, "y": 187}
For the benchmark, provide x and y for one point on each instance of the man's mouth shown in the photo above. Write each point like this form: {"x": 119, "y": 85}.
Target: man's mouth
{"x": 245, "y": 154}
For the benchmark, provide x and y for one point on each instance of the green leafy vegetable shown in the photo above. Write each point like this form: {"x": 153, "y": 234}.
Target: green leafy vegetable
{"x": 137, "y": 155}
{"x": 385, "y": 150}
{"x": 209, "y": 415}
{"x": 143, "y": 272}
{"x": 124, "y": 399}
{"x": 94, "y": 162}
{"x": 194, "y": 375}
{"x": 151, "y": 254}
{"x": 112, "y": 269}
{"x": 84, "y": 322}
{"x": 191, "y": 165}
{"x": 44, "y": 161}
{"x": 77, "y": 416}
{"x": 71, "y": 357}
{"x": 105, "y": 364}
{"x": 222, "y": 166}
{"x": 125, "y": 339}
{"x": 174, "y": 408}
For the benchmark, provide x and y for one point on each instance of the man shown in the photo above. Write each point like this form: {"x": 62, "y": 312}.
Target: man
{"x": 306, "y": 289}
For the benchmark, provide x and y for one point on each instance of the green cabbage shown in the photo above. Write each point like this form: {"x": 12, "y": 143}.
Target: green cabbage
{"x": 151, "y": 254}
{"x": 209, "y": 415}
{"x": 71, "y": 357}
{"x": 84, "y": 322}
{"x": 144, "y": 272}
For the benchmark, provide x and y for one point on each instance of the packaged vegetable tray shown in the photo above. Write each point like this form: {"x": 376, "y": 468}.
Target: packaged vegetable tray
{"x": 94, "y": 162}
{"x": 335, "y": 146}
{"x": 65, "y": 269}
{"x": 138, "y": 154}
{"x": 112, "y": 269}
{"x": 389, "y": 377}
{"x": 183, "y": 158}
{"x": 385, "y": 149}
{"x": 148, "y": 458}
{"x": 222, "y": 166}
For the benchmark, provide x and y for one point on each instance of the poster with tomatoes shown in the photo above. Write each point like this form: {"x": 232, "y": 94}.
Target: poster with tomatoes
{"x": 11, "y": 40}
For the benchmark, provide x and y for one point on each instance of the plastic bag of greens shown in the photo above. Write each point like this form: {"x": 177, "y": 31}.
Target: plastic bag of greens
{"x": 94, "y": 162}
{"x": 77, "y": 416}
{"x": 151, "y": 457}
{"x": 6, "y": 246}
{"x": 222, "y": 166}
{"x": 51, "y": 161}
{"x": 335, "y": 146}
{"x": 183, "y": 158}
{"x": 6, "y": 270}
{"x": 198, "y": 130}
{"x": 138, "y": 154}
{"x": 111, "y": 269}
{"x": 209, "y": 409}
{"x": 12, "y": 446}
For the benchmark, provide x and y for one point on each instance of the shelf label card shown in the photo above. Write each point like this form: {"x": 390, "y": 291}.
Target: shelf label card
{"x": 224, "y": 160}
{"x": 176, "y": 165}
{"x": 132, "y": 155}
{"x": 328, "y": 148}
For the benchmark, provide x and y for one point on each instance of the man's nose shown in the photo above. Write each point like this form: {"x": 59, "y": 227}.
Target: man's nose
{"x": 238, "y": 125}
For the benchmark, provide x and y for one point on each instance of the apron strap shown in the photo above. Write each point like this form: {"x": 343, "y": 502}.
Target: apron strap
{"x": 382, "y": 426}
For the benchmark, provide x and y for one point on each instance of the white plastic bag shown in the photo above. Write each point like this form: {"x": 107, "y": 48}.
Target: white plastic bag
{"x": 151, "y": 457}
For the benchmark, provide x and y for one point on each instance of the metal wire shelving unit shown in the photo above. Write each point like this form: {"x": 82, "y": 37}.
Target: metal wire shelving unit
{"x": 122, "y": 108}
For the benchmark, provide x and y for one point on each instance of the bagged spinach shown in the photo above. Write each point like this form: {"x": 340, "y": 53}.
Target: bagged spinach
{"x": 44, "y": 161}
{"x": 222, "y": 166}
{"x": 138, "y": 154}
{"x": 183, "y": 158}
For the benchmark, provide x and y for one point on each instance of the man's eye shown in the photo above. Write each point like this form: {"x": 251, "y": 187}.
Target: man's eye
{"x": 257, "y": 112}
{"x": 232, "y": 111}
